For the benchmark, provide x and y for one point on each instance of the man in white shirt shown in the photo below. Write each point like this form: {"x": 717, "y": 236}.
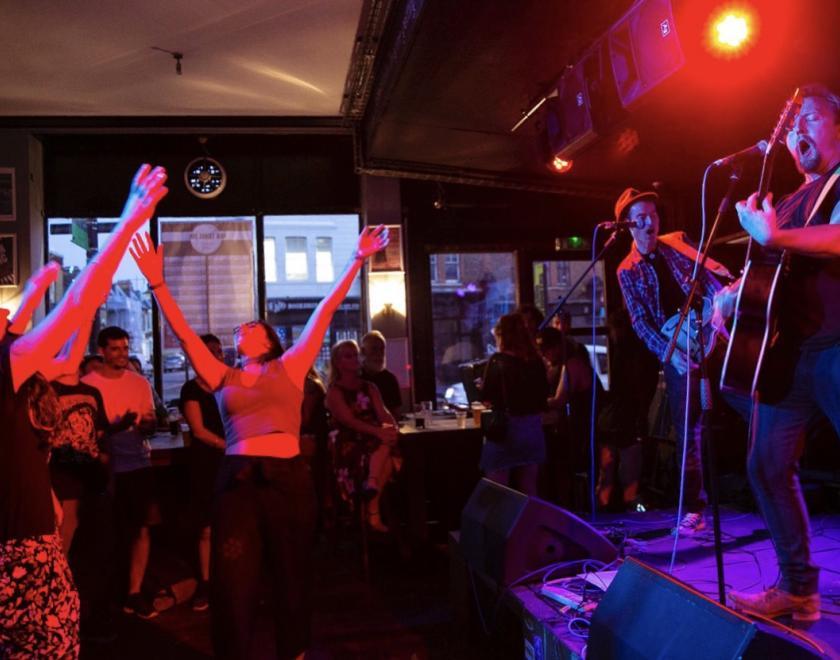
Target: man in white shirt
{"x": 129, "y": 406}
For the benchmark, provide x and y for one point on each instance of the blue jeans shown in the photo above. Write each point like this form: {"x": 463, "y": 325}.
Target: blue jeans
{"x": 773, "y": 463}
{"x": 695, "y": 495}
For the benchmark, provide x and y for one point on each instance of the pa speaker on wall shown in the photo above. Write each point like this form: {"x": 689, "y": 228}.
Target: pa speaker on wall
{"x": 644, "y": 49}
{"x": 505, "y": 534}
{"x": 584, "y": 106}
{"x": 648, "y": 614}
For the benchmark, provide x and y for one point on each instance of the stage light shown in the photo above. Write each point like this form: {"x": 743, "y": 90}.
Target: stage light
{"x": 561, "y": 165}
{"x": 732, "y": 31}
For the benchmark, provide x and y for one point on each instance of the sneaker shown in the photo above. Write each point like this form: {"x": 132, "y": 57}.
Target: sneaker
{"x": 690, "y": 525}
{"x": 140, "y": 606}
{"x": 201, "y": 597}
{"x": 775, "y": 602}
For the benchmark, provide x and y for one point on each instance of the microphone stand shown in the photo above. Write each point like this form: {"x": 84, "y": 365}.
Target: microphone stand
{"x": 606, "y": 247}
{"x": 706, "y": 403}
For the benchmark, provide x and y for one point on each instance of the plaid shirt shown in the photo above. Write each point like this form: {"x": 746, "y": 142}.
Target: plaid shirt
{"x": 640, "y": 287}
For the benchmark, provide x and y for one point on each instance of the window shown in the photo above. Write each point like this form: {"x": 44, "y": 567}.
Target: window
{"x": 452, "y": 267}
{"x": 433, "y": 268}
{"x": 73, "y": 242}
{"x": 465, "y": 311}
{"x": 324, "y": 259}
{"x": 290, "y": 302}
{"x": 270, "y": 259}
{"x": 552, "y": 281}
{"x": 296, "y": 266}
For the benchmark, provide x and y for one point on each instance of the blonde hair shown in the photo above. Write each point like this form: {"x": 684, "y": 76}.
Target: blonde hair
{"x": 334, "y": 357}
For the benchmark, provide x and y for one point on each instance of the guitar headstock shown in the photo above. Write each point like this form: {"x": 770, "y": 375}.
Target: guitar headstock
{"x": 786, "y": 118}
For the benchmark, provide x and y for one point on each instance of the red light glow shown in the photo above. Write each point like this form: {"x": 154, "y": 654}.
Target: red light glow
{"x": 561, "y": 165}
{"x": 732, "y": 31}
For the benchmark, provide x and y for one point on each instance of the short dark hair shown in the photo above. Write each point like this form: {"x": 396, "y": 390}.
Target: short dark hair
{"x": 111, "y": 333}
{"x": 210, "y": 338}
{"x": 549, "y": 338}
{"x": 375, "y": 336}
{"x": 821, "y": 91}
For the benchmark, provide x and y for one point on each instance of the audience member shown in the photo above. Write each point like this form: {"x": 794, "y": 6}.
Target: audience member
{"x": 207, "y": 447}
{"x": 39, "y": 610}
{"x": 129, "y": 406}
{"x": 367, "y": 432}
{"x": 515, "y": 383}
{"x": 374, "y": 370}
{"x": 265, "y": 509}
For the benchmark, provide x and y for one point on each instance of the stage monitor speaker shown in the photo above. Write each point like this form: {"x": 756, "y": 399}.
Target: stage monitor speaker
{"x": 505, "y": 534}
{"x": 648, "y": 614}
{"x": 644, "y": 49}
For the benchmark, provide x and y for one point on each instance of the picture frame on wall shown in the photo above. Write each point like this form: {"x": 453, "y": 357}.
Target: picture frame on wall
{"x": 8, "y": 260}
{"x": 389, "y": 259}
{"x": 7, "y": 194}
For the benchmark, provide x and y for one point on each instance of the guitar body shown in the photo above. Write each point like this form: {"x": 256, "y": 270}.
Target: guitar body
{"x": 754, "y": 326}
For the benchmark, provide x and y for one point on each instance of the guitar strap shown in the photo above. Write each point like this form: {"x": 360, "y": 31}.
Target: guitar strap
{"x": 825, "y": 190}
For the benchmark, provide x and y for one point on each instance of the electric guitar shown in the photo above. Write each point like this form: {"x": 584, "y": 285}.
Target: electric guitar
{"x": 754, "y": 329}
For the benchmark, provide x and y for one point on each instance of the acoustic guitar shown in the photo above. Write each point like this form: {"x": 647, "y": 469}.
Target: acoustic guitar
{"x": 754, "y": 329}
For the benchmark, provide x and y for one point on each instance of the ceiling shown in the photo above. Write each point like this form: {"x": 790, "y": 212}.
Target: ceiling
{"x": 470, "y": 68}
{"x": 240, "y": 57}
{"x": 432, "y": 87}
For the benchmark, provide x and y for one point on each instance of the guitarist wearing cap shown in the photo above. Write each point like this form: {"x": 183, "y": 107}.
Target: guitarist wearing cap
{"x": 655, "y": 280}
{"x": 806, "y": 224}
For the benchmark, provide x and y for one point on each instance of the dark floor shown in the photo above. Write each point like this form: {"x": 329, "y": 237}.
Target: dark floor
{"x": 404, "y": 610}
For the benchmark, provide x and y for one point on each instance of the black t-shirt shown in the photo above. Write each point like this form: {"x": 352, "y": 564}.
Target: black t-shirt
{"x": 518, "y": 386}
{"x": 388, "y": 387}
{"x": 192, "y": 391}
{"x": 75, "y": 439}
{"x": 671, "y": 295}
{"x": 810, "y": 298}
{"x": 25, "y": 501}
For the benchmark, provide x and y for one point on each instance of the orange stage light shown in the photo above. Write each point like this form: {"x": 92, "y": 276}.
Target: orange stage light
{"x": 732, "y": 31}
{"x": 561, "y": 165}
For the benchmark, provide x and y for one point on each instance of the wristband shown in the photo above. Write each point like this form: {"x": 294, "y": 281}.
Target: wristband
{"x": 358, "y": 255}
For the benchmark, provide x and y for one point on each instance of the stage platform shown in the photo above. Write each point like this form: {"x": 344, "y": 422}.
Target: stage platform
{"x": 749, "y": 565}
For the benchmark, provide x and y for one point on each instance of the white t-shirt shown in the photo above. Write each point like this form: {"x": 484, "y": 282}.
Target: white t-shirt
{"x": 129, "y": 449}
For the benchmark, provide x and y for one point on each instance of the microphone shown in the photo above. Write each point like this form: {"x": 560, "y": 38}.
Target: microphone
{"x": 758, "y": 149}
{"x": 622, "y": 224}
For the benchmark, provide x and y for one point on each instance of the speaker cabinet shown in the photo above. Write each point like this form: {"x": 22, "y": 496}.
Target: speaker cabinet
{"x": 644, "y": 49}
{"x": 585, "y": 106}
{"x": 505, "y": 534}
{"x": 648, "y": 614}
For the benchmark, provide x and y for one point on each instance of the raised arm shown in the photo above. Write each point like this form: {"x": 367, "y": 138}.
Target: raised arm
{"x": 299, "y": 358}
{"x": 37, "y": 348}
{"x": 150, "y": 262}
{"x": 33, "y": 294}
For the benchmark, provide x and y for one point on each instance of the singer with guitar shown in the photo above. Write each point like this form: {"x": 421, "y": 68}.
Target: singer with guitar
{"x": 655, "y": 279}
{"x": 806, "y": 339}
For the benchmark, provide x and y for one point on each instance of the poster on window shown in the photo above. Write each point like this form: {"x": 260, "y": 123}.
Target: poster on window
{"x": 391, "y": 257}
{"x": 7, "y": 194}
{"x": 8, "y": 260}
{"x": 209, "y": 267}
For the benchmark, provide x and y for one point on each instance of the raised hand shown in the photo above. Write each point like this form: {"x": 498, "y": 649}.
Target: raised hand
{"x": 146, "y": 191}
{"x": 149, "y": 259}
{"x": 371, "y": 240}
{"x": 760, "y": 223}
